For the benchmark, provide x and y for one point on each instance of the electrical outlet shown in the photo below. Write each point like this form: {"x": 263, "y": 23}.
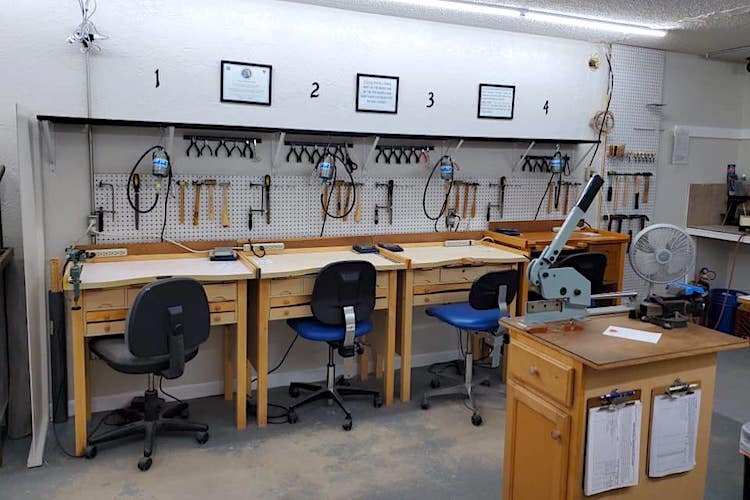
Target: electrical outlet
{"x": 108, "y": 252}
{"x": 263, "y": 247}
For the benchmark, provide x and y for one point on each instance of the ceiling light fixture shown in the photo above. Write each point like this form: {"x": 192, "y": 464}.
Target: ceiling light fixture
{"x": 536, "y": 15}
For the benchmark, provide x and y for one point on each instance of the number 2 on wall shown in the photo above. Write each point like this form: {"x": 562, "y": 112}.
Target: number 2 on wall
{"x": 430, "y": 99}
{"x": 315, "y": 91}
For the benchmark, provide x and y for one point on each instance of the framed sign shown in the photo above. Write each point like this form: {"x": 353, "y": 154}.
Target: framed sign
{"x": 496, "y": 101}
{"x": 246, "y": 83}
{"x": 377, "y": 93}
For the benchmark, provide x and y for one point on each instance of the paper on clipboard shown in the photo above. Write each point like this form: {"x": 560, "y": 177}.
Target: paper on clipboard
{"x": 613, "y": 439}
{"x": 632, "y": 334}
{"x": 674, "y": 432}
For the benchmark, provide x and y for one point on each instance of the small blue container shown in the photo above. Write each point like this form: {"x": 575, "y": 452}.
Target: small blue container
{"x": 721, "y": 297}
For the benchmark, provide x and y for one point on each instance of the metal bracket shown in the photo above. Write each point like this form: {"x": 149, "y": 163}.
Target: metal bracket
{"x": 523, "y": 156}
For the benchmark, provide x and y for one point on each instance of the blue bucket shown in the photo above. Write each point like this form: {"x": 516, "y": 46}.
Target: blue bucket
{"x": 721, "y": 297}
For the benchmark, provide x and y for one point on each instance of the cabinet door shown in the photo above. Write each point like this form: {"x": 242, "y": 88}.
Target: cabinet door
{"x": 536, "y": 447}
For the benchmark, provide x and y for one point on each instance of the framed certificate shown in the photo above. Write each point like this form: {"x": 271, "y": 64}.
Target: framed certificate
{"x": 245, "y": 83}
{"x": 496, "y": 101}
{"x": 377, "y": 93}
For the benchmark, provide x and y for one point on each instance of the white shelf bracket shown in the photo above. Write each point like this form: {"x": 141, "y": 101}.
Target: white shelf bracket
{"x": 523, "y": 157}
{"x": 277, "y": 154}
{"x": 375, "y": 142}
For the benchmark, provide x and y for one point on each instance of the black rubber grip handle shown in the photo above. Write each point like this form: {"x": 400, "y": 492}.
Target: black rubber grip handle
{"x": 590, "y": 192}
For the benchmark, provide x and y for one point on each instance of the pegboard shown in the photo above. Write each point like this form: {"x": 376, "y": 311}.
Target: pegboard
{"x": 638, "y": 82}
{"x": 296, "y": 209}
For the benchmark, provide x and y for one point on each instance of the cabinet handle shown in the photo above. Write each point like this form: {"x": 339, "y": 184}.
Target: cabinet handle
{"x": 534, "y": 370}
{"x": 555, "y": 435}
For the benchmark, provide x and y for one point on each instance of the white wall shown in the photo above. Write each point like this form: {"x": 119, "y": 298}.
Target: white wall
{"x": 186, "y": 40}
{"x": 704, "y": 93}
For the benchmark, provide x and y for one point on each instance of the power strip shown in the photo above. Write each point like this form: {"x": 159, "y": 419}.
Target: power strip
{"x": 264, "y": 247}
{"x": 457, "y": 243}
{"x": 108, "y": 252}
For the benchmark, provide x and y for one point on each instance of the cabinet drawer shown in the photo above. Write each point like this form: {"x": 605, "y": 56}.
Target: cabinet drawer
{"x": 108, "y": 315}
{"x": 461, "y": 274}
{"x": 216, "y": 307}
{"x": 426, "y": 276}
{"x": 541, "y": 372}
{"x": 223, "y": 318}
{"x": 105, "y": 328}
{"x": 221, "y": 292}
{"x": 107, "y": 298}
{"x": 131, "y": 293}
{"x": 288, "y": 286}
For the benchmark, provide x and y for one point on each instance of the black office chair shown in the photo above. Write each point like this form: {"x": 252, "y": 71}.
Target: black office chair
{"x": 167, "y": 322}
{"x": 343, "y": 299}
{"x": 489, "y": 298}
{"x": 590, "y": 264}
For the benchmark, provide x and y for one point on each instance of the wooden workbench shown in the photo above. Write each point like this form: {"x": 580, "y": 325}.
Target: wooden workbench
{"x": 283, "y": 291}
{"x": 108, "y": 289}
{"x": 552, "y": 375}
{"x": 436, "y": 274}
{"x": 535, "y": 235}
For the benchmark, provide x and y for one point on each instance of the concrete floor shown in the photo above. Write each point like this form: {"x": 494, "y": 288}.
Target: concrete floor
{"x": 395, "y": 452}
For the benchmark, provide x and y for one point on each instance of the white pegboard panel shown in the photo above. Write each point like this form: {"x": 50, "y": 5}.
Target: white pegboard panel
{"x": 638, "y": 83}
{"x": 296, "y": 210}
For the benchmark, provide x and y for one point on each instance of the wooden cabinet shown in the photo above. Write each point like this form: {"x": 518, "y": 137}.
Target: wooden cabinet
{"x": 536, "y": 455}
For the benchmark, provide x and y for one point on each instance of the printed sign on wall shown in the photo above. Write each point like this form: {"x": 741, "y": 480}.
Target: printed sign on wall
{"x": 377, "y": 93}
{"x": 245, "y": 83}
{"x": 496, "y": 101}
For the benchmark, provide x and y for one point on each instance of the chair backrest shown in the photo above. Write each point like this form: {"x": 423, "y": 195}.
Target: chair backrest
{"x": 590, "y": 265}
{"x": 341, "y": 284}
{"x": 484, "y": 291}
{"x": 168, "y": 317}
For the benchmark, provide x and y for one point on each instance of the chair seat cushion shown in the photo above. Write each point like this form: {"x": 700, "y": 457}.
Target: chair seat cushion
{"x": 465, "y": 317}
{"x": 312, "y": 329}
{"x": 114, "y": 351}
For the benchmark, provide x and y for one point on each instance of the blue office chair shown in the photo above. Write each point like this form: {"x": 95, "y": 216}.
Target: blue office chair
{"x": 488, "y": 302}
{"x": 168, "y": 321}
{"x": 342, "y": 302}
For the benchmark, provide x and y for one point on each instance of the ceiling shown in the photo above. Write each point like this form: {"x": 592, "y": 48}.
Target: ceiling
{"x": 695, "y": 26}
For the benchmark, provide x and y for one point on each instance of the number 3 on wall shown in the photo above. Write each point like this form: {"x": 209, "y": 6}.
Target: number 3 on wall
{"x": 315, "y": 91}
{"x": 430, "y": 99}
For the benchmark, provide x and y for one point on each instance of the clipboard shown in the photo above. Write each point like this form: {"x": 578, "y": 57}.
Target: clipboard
{"x": 613, "y": 437}
{"x": 613, "y": 399}
{"x": 673, "y": 432}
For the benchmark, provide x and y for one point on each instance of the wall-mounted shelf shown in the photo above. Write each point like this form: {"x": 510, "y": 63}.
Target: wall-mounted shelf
{"x": 109, "y": 122}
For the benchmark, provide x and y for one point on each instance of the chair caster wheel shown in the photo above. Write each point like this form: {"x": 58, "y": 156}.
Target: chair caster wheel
{"x": 144, "y": 463}
{"x": 292, "y": 417}
{"x": 476, "y": 419}
{"x": 377, "y": 402}
{"x": 425, "y": 404}
{"x": 202, "y": 437}
{"x": 347, "y": 424}
{"x": 485, "y": 383}
{"x": 343, "y": 382}
{"x": 90, "y": 452}
{"x": 435, "y": 383}
{"x": 293, "y": 392}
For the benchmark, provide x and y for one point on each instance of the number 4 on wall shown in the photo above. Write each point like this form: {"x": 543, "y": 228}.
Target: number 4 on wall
{"x": 546, "y": 107}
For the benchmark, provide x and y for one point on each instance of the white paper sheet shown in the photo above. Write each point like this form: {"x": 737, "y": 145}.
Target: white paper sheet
{"x": 681, "y": 147}
{"x": 674, "y": 431}
{"x": 613, "y": 440}
{"x": 632, "y": 334}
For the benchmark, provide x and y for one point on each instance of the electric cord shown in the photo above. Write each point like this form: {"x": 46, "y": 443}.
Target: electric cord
{"x": 544, "y": 195}
{"x": 349, "y": 166}
{"x": 161, "y": 389}
{"x": 606, "y": 119}
{"x": 729, "y": 283}
{"x": 281, "y": 418}
{"x": 86, "y": 34}
{"x": 447, "y": 193}
{"x": 156, "y": 199}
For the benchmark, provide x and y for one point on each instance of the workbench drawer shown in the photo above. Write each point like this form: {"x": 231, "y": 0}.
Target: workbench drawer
{"x": 107, "y": 315}
{"x": 427, "y": 276}
{"x": 106, "y": 298}
{"x": 281, "y": 287}
{"x": 461, "y": 274}
{"x": 545, "y": 374}
{"x": 221, "y": 292}
{"x": 217, "y": 307}
{"x": 223, "y": 318}
{"x": 105, "y": 328}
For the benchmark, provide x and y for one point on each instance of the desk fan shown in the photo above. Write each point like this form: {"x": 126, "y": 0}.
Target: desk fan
{"x": 661, "y": 254}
